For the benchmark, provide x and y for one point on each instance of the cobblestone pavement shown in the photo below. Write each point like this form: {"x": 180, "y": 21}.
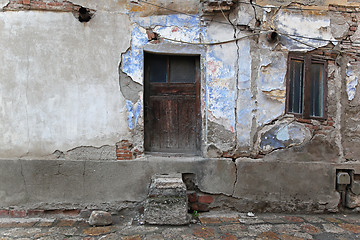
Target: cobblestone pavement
{"x": 213, "y": 225}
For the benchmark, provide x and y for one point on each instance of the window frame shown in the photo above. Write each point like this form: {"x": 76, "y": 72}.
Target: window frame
{"x": 308, "y": 60}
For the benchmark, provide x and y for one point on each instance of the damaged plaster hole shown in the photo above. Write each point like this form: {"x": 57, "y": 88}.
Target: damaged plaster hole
{"x": 84, "y": 15}
{"x": 272, "y": 37}
{"x": 152, "y": 36}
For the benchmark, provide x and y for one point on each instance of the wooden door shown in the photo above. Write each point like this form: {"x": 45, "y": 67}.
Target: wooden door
{"x": 172, "y": 112}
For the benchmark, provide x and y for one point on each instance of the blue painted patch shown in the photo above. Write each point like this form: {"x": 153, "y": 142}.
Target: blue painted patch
{"x": 167, "y": 20}
{"x": 133, "y": 60}
{"x": 134, "y": 114}
{"x": 129, "y": 107}
{"x": 269, "y": 139}
{"x": 283, "y": 134}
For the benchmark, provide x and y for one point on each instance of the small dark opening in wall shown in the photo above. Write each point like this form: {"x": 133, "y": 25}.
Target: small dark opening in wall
{"x": 84, "y": 15}
{"x": 272, "y": 36}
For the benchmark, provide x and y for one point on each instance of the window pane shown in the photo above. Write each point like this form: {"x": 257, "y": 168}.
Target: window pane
{"x": 182, "y": 69}
{"x": 158, "y": 68}
{"x": 317, "y": 90}
{"x": 296, "y": 86}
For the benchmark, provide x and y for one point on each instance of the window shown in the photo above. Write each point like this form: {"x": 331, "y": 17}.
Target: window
{"x": 306, "y": 86}
{"x": 171, "y": 69}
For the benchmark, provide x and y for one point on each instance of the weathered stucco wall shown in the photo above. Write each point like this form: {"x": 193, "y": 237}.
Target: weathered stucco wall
{"x": 72, "y": 95}
{"x": 59, "y": 84}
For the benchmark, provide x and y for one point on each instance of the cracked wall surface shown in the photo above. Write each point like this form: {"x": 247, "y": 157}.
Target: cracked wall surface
{"x": 72, "y": 91}
{"x": 65, "y": 79}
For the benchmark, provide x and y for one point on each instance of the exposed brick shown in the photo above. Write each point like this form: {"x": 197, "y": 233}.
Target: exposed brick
{"x": 209, "y": 220}
{"x": 18, "y": 213}
{"x": 72, "y": 212}
{"x": 268, "y": 235}
{"x": 203, "y": 207}
{"x": 304, "y": 120}
{"x": 195, "y": 206}
{"x": 311, "y": 229}
{"x": 65, "y": 222}
{"x": 26, "y": 1}
{"x": 204, "y": 232}
{"x": 229, "y": 219}
{"x": 96, "y": 231}
{"x": 294, "y": 219}
{"x": 4, "y": 213}
{"x": 192, "y": 197}
{"x": 205, "y": 199}
{"x": 35, "y": 212}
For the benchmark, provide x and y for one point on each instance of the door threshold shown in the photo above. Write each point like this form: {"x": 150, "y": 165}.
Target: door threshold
{"x": 166, "y": 154}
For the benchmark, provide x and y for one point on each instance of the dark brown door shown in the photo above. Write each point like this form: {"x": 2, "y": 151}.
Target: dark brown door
{"x": 171, "y": 103}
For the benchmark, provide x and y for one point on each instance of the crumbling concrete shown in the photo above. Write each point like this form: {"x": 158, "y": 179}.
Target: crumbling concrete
{"x": 167, "y": 202}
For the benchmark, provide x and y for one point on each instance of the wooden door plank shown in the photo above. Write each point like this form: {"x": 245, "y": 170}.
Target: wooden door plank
{"x": 187, "y": 125}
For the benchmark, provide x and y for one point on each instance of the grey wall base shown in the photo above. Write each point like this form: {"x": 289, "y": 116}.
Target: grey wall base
{"x": 244, "y": 184}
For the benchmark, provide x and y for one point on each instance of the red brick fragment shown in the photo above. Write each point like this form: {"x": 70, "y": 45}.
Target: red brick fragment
{"x": 4, "y": 213}
{"x": 192, "y": 197}
{"x": 205, "y": 199}
{"x": 72, "y": 212}
{"x": 18, "y": 213}
{"x": 35, "y": 212}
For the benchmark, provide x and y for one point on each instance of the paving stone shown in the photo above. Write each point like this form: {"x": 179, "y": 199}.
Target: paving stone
{"x": 260, "y": 228}
{"x": 228, "y": 236}
{"x": 333, "y": 220}
{"x": 229, "y": 219}
{"x": 27, "y": 222}
{"x": 46, "y": 222}
{"x": 132, "y": 230}
{"x": 267, "y": 236}
{"x": 233, "y": 228}
{"x": 302, "y": 235}
{"x": 248, "y": 220}
{"x": 327, "y": 236}
{"x": 190, "y": 237}
{"x": 96, "y": 231}
{"x": 294, "y": 219}
{"x": 350, "y": 227}
{"x": 311, "y": 229}
{"x": 134, "y": 237}
{"x": 63, "y": 230}
{"x": 172, "y": 233}
{"x": 154, "y": 237}
{"x": 313, "y": 219}
{"x": 286, "y": 228}
{"x": 65, "y": 222}
{"x": 288, "y": 237}
{"x": 331, "y": 228}
{"x": 209, "y": 220}
{"x": 20, "y": 232}
{"x": 204, "y": 232}
{"x": 111, "y": 236}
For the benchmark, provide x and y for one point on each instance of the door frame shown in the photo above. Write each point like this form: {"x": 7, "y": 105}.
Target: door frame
{"x": 198, "y": 116}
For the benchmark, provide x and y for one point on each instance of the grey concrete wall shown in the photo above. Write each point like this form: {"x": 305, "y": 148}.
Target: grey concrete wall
{"x": 247, "y": 184}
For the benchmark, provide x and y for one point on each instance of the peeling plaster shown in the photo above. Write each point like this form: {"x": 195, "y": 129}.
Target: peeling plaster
{"x": 276, "y": 94}
{"x": 351, "y": 82}
{"x": 3, "y": 3}
{"x": 283, "y": 134}
{"x": 313, "y": 26}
